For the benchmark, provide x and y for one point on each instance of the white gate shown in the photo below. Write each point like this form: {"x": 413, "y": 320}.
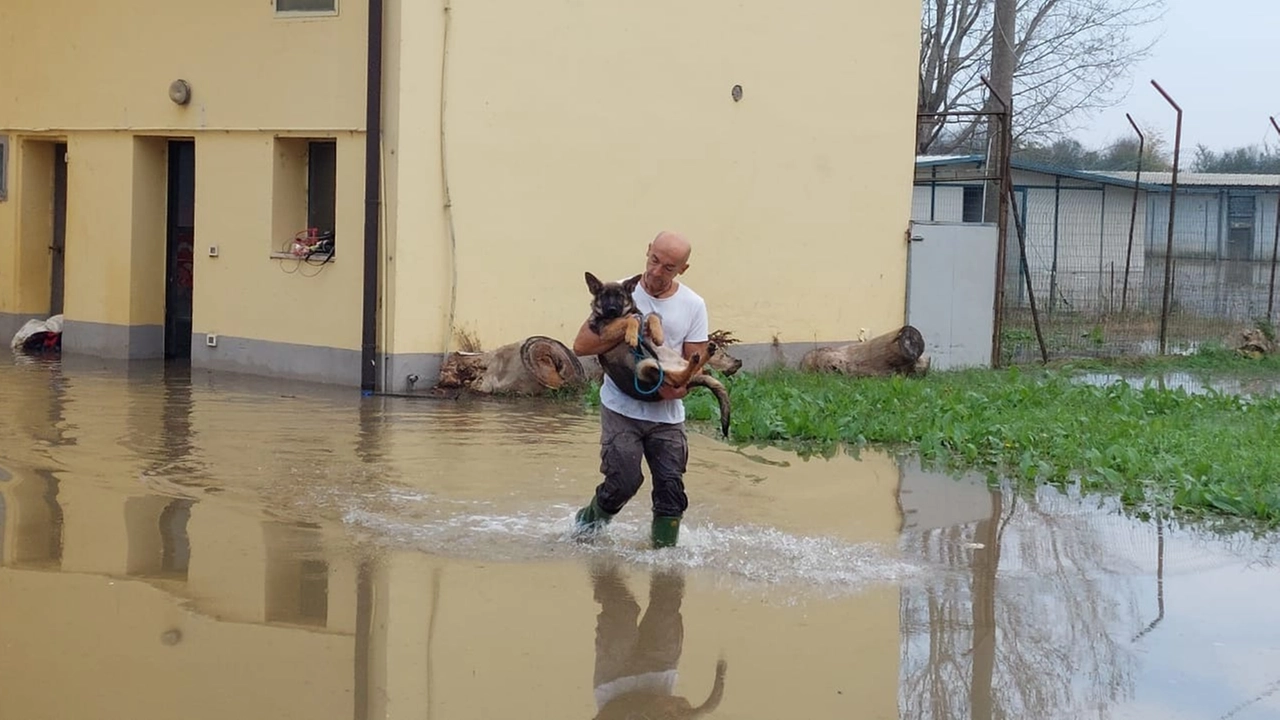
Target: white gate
{"x": 951, "y": 285}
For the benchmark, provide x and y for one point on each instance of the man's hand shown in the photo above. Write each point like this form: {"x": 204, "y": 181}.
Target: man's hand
{"x": 667, "y": 392}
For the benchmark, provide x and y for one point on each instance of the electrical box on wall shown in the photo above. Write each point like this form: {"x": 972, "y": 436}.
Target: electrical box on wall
{"x": 213, "y": 251}
{"x": 211, "y": 340}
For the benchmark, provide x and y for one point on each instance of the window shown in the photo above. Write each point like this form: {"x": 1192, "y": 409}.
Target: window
{"x": 315, "y": 7}
{"x": 322, "y": 184}
{"x": 972, "y": 210}
{"x": 4, "y": 167}
{"x": 304, "y": 196}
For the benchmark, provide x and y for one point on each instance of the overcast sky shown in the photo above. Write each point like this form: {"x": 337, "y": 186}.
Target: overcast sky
{"x": 1220, "y": 60}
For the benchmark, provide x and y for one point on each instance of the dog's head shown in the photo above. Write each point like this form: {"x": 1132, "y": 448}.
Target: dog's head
{"x": 723, "y": 361}
{"x": 610, "y": 300}
{"x": 720, "y": 358}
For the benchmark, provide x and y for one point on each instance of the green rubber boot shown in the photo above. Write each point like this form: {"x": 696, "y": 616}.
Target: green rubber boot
{"x": 665, "y": 531}
{"x": 590, "y": 519}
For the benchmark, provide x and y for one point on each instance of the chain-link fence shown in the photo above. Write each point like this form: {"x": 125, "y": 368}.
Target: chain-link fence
{"x": 1096, "y": 244}
{"x": 1099, "y": 295}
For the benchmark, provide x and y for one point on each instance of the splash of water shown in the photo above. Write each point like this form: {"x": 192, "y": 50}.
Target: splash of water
{"x": 743, "y": 557}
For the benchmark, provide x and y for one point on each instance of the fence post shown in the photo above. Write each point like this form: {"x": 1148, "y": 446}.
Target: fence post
{"x": 1133, "y": 215}
{"x": 1173, "y": 198}
{"x": 1002, "y": 218}
{"x": 1031, "y": 295}
{"x": 1275, "y": 246}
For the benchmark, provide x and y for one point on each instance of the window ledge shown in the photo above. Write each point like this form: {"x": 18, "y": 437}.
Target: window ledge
{"x": 326, "y": 257}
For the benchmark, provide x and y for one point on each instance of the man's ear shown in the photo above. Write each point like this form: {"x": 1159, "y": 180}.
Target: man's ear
{"x": 594, "y": 284}
{"x": 630, "y": 283}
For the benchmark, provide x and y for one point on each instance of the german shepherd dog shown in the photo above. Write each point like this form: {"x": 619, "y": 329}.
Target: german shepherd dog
{"x": 641, "y": 362}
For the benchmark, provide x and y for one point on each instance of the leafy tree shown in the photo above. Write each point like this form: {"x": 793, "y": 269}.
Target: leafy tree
{"x": 1069, "y": 58}
{"x": 1248, "y": 159}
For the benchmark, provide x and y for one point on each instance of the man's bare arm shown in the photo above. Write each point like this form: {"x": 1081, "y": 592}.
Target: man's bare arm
{"x": 587, "y": 343}
{"x": 690, "y": 348}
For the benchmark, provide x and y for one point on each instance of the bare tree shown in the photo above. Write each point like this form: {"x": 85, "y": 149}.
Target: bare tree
{"x": 1070, "y": 58}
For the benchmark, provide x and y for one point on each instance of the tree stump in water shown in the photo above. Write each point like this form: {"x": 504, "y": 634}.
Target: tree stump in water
{"x": 530, "y": 367}
{"x": 899, "y": 352}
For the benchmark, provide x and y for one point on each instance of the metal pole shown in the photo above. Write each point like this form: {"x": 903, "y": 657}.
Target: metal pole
{"x": 1053, "y": 269}
{"x": 1133, "y": 214}
{"x": 1275, "y": 246}
{"x": 1173, "y": 199}
{"x": 1002, "y": 219}
{"x": 1031, "y": 296}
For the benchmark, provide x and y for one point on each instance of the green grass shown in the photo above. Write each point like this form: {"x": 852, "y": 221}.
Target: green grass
{"x": 1210, "y": 455}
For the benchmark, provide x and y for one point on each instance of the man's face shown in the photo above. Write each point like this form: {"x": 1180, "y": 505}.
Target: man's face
{"x": 661, "y": 269}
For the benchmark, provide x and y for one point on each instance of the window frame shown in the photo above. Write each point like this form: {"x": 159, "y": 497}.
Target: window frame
{"x": 294, "y": 195}
{"x": 4, "y": 167}
{"x": 275, "y": 9}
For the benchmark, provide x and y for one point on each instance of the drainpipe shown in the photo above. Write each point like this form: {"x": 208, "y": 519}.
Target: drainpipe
{"x": 372, "y": 158}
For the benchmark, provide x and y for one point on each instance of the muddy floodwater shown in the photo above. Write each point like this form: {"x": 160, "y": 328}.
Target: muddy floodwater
{"x": 177, "y": 544}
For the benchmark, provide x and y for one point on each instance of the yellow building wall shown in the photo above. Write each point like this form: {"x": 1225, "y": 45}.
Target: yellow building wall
{"x": 97, "y": 75}
{"x": 243, "y": 292}
{"x": 523, "y": 145}
{"x": 574, "y": 132}
{"x": 417, "y": 270}
{"x": 75, "y": 66}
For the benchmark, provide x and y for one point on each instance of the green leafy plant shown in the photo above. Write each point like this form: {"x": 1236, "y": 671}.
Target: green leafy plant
{"x": 1206, "y": 454}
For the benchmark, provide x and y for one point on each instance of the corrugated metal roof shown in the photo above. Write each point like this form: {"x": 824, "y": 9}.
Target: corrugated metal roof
{"x": 928, "y": 160}
{"x": 1201, "y": 179}
{"x": 1085, "y": 175}
{"x": 1150, "y": 180}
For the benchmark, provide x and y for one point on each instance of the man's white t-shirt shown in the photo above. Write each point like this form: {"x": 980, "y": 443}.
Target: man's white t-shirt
{"x": 684, "y": 319}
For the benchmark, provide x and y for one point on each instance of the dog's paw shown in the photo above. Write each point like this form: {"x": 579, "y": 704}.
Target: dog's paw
{"x": 632, "y": 335}
{"x": 653, "y": 323}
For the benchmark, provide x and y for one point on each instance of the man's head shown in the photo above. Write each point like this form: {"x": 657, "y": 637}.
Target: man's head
{"x": 666, "y": 258}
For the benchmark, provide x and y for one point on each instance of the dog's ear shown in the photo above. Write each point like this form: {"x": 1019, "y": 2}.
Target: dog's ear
{"x": 630, "y": 283}
{"x": 594, "y": 284}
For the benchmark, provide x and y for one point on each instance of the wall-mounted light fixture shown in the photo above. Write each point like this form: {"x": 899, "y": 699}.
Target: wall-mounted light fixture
{"x": 180, "y": 92}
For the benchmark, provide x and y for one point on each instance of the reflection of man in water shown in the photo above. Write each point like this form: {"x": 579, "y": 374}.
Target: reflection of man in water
{"x": 635, "y": 675}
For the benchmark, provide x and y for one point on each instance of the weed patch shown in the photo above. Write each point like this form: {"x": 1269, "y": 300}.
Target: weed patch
{"x": 1205, "y": 454}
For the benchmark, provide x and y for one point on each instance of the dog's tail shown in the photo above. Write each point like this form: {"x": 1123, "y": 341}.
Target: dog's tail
{"x": 717, "y": 692}
{"x": 722, "y": 397}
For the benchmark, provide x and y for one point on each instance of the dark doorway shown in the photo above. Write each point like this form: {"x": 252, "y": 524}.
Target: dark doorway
{"x": 1240, "y": 222}
{"x": 180, "y": 253}
{"x": 58, "y": 243}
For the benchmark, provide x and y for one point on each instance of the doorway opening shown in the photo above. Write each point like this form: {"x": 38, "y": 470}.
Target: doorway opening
{"x": 180, "y": 249}
{"x": 58, "y": 243}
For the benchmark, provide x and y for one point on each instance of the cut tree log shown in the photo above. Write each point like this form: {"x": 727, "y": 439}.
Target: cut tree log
{"x": 900, "y": 352}
{"x": 530, "y": 367}
{"x": 1254, "y": 344}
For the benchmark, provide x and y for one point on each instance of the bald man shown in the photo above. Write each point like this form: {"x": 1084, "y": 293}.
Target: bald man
{"x": 631, "y": 429}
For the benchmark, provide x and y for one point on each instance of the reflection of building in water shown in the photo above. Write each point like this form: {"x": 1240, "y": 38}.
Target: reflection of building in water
{"x": 147, "y": 606}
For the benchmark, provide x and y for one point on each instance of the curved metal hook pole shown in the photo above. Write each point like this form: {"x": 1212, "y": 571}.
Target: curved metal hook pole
{"x": 1133, "y": 215}
{"x": 1173, "y": 199}
{"x": 1275, "y": 246}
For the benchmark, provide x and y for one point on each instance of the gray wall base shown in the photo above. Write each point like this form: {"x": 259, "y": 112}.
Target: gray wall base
{"x": 398, "y": 368}
{"x": 312, "y": 363}
{"x": 120, "y": 342}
